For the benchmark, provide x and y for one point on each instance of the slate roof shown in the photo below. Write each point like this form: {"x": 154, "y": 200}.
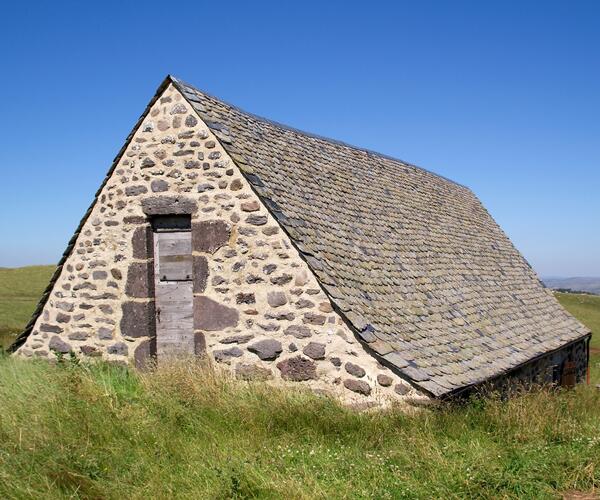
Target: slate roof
{"x": 412, "y": 260}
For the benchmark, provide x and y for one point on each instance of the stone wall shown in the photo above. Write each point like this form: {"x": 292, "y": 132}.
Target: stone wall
{"x": 258, "y": 309}
{"x": 565, "y": 367}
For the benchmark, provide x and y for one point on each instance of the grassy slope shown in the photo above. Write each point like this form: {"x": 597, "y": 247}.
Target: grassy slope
{"x": 20, "y": 290}
{"x": 103, "y": 432}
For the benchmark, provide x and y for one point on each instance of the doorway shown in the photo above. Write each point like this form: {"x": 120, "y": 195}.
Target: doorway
{"x": 173, "y": 279}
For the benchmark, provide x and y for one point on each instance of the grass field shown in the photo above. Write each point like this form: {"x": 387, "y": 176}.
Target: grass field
{"x": 70, "y": 431}
{"x": 20, "y": 290}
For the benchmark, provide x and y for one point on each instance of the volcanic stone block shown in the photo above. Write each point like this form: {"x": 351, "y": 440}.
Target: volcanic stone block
{"x": 297, "y": 369}
{"x": 236, "y": 185}
{"x": 314, "y": 319}
{"x": 209, "y": 236}
{"x": 225, "y": 355}
{"x": 200, "y": 272}
{"x": 45, "y": 327}
{"x": 199, "y": 344}
{"x": 237, "y": 339}
{"x": 276, "y": 299}
{"x": 58, "y": 345}
{"x": 169, "y": 205}
{"x": 267, "y": 350}
{"x": 211, "y": 316}
{"x": 63, "y": 318}
{"x": 355, "y": 370}
{"x": 140, "y": 280}
{"x": 119, "y": 349}
{"x": 250, "y": 206}
{"x": 135, "y": 190}
{"x": 159, "y": 185}
{"x": 138, "y": 319}
{"x": 257, "y": 220}
{"x": 245, "y": 298}
{"x": 314, "y": 350}
{"x": 298, "y": 331}
{"x": 358, "y": 386}
{"x": 141, "y": 242}
{"x": 384, "y": 380}
{"x": 91, "y": 351}
{"x": 402, "y": 389}
{"x": 144, "y": 354}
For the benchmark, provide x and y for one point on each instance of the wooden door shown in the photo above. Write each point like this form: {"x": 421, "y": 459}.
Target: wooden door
{"x": 173, "y": 293}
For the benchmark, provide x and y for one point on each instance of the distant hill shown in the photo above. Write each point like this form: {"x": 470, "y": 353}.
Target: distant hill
{"x": 590, "y": 285}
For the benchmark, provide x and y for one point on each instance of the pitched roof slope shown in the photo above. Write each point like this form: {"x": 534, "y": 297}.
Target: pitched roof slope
{"x": 413, "y": 261}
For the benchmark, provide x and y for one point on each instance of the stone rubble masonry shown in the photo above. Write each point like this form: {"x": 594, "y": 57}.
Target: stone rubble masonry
{"x": 259, "y": 311}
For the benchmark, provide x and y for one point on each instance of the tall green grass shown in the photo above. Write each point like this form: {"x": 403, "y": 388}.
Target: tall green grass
{"x": 184, "y": 431}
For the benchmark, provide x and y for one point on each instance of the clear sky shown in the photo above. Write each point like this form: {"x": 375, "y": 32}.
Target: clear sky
{"x": 503, "y": 97}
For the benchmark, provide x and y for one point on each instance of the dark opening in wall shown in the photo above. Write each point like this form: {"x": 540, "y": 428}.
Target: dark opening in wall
{"x": 171, "y": 223}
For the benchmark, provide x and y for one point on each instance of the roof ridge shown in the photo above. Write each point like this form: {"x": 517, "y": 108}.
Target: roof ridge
{"x": 337, "y": 142}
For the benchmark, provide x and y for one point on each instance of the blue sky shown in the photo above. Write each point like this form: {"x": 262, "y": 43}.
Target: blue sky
{"x": 503, "y": 97}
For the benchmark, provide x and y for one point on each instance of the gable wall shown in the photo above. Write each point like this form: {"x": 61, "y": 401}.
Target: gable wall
{"x": 257, "y": 306}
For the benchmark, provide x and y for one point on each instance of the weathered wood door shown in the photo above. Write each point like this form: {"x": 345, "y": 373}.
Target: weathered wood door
{"x": 173, "y": 292}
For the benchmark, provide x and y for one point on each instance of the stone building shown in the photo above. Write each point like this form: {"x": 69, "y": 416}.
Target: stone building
{"x": 293, "y": 258}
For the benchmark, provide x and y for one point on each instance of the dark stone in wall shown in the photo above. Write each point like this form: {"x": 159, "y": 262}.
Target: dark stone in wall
{"x": 65, "y": 306}
{"x": 402, "y": 389}
{"x": 63, "y": 318}
{"x": 141, "y": 242}
{"x": 91, "y": 351}
{"x": 384, "y": 380}
{"x": 358, "y": 386}
{"x": 237, "y": 339}
{"x": 135, "y": 190}
{"x": 297, "y": 369}
{"x": 236, "y": 185}
{"x": 45, "y": 327}
{"x": 58, "y": 345}
{"x": 138, "y": 319}
{"x": 314, "y": 350}
{"x": 105, "y": 333}
{"x": 257, "y": 220}
{"x": 191, "y": 121}
{"x": 140, "y": 280}
{"x": 209, "y": 236}
{"x": 169, "y": 205}
{"x": 200, "y": 272}
{"x": 159, "y": 185}
{"x": 199, "y": 344}
{"x": 120, "y": 348}
{"x": 267, "y": 350}
{"x": 281, "y": 280}
{"x": 245, "y": 298}
{"x": 355, "y": 370}
{"x": 147, "y": 163}
{"x": 298, "y": 331}
{"x": 212, "y": 316}
{"x": 225, "y": 355}
{"x": 314, "y": 319}
{"x": 566, "y": 367}
{"x": 144, "y": 354}
{"x": 134, "y": 219}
